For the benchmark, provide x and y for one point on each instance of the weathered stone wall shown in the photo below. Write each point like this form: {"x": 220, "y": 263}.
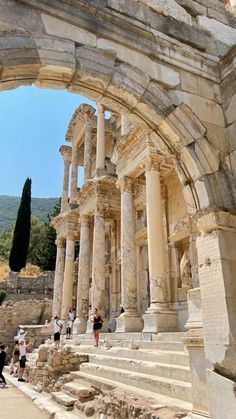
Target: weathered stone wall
{"x": 23, "y": 288}
{"x": 47, "y": 366}
{"x": 13, "y": 314}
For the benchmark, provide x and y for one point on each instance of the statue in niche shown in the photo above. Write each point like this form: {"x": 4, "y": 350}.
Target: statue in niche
{"x": 185, "y": 271}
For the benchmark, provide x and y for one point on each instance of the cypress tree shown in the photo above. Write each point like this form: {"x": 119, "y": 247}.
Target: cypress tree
{"x": 21, "y": 237}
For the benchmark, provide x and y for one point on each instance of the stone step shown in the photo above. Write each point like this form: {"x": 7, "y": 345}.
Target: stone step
{"x": 142, "y": 344}
{"x": 112, "y": 336}
{"x": 106, "y": 384}
{"x": 166, "y": 357}
{"x": 146, "y": 367}
{"x": 173, "y": 388}
{"x": 168, "y": 336}
{"x": 162, "y": 345}
{"x": 64, "y": 400}
{"x": 80, "y": 391}
{"x": 138, "y": 336}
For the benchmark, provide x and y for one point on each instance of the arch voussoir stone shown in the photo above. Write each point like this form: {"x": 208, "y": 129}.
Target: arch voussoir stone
{"x": 94, "y": 67}
{"x": 19, "y": 60}
{"x": 128, "y": 84}
{"x": 58, "y": 63}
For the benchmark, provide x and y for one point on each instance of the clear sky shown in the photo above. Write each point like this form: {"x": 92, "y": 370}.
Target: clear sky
{"x": 33, "y": 123}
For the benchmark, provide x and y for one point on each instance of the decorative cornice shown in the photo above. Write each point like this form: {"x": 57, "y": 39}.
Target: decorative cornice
{"x": 82, "y": 114}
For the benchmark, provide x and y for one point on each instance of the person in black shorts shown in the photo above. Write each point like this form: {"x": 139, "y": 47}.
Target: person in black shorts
{"x": 57, "y": 327}
{"x": 2, "y": 364}
{"x": 97, "y": 325}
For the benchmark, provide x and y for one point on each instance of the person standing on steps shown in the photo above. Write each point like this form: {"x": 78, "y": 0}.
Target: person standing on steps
{"x": 22, "y": 359}
{"x": 2, "y": 364}
{"x": 97, "y": 325}
{"x": 57, "y": 328}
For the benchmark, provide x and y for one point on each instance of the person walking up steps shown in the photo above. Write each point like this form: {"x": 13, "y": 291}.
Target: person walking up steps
{"x": 97, "y": 325}
{"x": 2, "y": 364}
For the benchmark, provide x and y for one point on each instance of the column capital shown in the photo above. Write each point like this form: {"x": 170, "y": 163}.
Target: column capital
{"x": 219, "y": 220}
{"x": 60, "y": 242}
{"x": 71, "y": 235}
{"x": 152, "y": 164}
{"x": 100, "y": 107}
{"x": 125, "y": 184}
{"x": 66, "y": 151}
{"x": 84, "y": 220}
{"x": 99, "y": 210}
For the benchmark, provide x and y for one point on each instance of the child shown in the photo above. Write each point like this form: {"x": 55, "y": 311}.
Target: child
{"x": 68, "y": 328}
{"x": 2, "y": 364}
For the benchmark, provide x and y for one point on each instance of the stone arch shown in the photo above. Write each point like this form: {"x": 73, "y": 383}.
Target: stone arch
{"x": 51, "y": 62}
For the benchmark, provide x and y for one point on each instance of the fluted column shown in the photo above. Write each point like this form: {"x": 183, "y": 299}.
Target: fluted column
{"x": 100, "y": 152}
{"x": 87, "y": 150}
{"x": 98, "y": 270}
{"x": 158, "y": 317}
{"x": 83, "y": 274}
{"x": 66, "y": 153}
{"x": 58, "y": 279}
{"x": 98, "y": 264}
{"x": 129, "y": 320}
{"x": 74, "y": 173}
{"x": 68, "y": 275}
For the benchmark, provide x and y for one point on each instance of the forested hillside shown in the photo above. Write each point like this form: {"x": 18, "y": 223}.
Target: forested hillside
{"x": 40, "y": 207}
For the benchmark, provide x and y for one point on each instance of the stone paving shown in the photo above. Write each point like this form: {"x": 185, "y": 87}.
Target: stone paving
{"x": 15, "y": 404}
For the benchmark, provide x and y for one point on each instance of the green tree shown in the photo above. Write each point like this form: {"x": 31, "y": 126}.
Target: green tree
{"x": 42, "y": 250}
{"x": 21, "y": 237}
{"x": 6, "y": 243}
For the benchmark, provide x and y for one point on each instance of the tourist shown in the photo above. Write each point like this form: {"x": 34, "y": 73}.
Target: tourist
{"x": 68, "y": 328}
{"x": 57, "y": 328}
{"x": 97, "y": 325}
{"x": 71, "y": 314}
{"x": 2, "y": 364}
{"x": 22, "y": 359}
{"x": 21, "y": 335}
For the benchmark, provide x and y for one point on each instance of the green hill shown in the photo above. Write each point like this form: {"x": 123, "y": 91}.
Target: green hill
{"x": 40, "y": 207}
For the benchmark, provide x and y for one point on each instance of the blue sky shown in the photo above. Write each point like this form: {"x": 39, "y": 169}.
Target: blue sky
{"x": 33, "y": 123}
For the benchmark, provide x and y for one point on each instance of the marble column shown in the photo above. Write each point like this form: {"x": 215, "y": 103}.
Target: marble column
{"x": 158, "y": 317}
{"x": 83, "y": 274}
{"x": 98, "y": 266}
{"x": 58, "y": 279}
{"x": 87, "y": 150}
{"x": 100, "y": 152}
{"x": 66, "y": 153}
{"x": 129, "y": 321}
{"x": 68, "y": 276}
{"x": 74, "y": 173}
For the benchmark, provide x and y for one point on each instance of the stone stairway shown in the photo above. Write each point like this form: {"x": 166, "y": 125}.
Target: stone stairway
{"x": 156, "y": 369}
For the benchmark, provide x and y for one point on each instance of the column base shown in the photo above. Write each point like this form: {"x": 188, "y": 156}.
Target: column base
{"x": 81, "y": 325}
{"x": 128, "y": 323}
{"x": 162, "y": 321}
